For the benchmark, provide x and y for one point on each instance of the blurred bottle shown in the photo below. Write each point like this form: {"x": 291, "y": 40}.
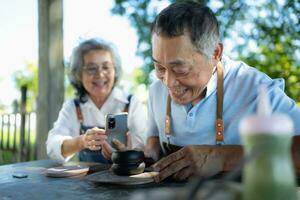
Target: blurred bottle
{"x": 267, "y": 139}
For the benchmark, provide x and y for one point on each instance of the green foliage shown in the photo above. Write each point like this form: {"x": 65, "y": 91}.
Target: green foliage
{"x": 69, "y": 90}
{"x": 29, "y": 78}
{"x": 265, "y": 34}
{"x": 2, "y": 107}
{"x": 141, "y": 15}
{"x": 7, "y": 155}
{"x": 277, "y": 37}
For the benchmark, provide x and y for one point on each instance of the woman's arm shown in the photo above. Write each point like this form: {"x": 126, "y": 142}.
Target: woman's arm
{"x": 71, "y": 146}
{"x": 65, "y": 127}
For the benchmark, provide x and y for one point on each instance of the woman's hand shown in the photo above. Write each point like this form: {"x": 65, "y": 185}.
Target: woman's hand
{"x": 107, "y": 150}
{"x": 93, "y": 139}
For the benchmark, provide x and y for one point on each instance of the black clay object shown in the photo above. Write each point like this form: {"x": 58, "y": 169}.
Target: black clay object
{"x": 128, "y": 169}
{"x": 128, "y": 157}
{"x": 127, "y": 163}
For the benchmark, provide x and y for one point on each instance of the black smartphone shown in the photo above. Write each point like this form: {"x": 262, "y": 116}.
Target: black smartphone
{"x": 116, "y": 127}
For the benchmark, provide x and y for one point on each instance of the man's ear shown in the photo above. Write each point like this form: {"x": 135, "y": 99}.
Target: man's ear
{"x": 217, "y": 54}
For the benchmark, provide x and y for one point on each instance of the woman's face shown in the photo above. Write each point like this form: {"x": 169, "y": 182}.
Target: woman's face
{"x": 98, "y": 74}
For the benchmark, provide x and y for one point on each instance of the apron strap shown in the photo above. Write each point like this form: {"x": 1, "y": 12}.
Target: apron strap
{"x": 79, "y": 115}
{"x": 168, "y": 120}
{"x": 78, "y": 110}
{"x": 220, "y": 96}
{"x": 126, "y": 109}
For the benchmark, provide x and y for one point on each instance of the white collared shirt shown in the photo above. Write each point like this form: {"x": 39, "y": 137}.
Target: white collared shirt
{"x": 67, "y": 125}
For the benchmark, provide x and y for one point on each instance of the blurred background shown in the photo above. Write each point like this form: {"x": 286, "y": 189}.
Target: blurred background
{"x": 263, "y": 33}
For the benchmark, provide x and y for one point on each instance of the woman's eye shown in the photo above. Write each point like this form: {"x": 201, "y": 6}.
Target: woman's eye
{"x": 92, "y": 69}
{"x": 105, "y": 67}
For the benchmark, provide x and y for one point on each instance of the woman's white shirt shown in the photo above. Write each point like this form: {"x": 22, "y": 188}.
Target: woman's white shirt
{"x": 67, "y": 125}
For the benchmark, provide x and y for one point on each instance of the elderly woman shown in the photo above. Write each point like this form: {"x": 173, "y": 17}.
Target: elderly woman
{"x": 95, "y": 71}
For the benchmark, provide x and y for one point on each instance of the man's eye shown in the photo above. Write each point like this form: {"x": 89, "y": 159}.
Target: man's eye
{"x": 181, "y": 71}
{"x": 160, "y": 69}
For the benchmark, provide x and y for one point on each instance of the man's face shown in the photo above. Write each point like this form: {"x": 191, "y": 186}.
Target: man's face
{"x": 181, "y": 68}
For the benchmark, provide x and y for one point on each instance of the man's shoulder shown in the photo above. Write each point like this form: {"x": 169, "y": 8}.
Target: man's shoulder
{"x": 243, "y": 76}
{"x": 242, "y": 73}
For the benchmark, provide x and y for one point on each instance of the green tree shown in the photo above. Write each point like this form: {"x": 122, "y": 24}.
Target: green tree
{"x": 265, "y": 34}
{"x": 2, "y": 107}
{"x": 29, "y": 77}
{"x": 276, "y": 35}
{"x": 69, "y": 90}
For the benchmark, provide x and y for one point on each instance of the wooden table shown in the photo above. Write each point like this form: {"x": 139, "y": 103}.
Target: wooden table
{"x": 39, "y": 186}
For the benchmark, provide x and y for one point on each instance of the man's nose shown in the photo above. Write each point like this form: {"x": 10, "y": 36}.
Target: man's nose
{"x": 169, "y": 79}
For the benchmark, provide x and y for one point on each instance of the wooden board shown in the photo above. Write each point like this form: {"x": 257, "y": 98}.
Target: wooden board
{"x": 67, "y": 171}
{"x": 109, "y": 177}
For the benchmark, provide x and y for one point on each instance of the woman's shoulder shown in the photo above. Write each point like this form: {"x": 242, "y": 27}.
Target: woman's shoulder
{"x": 70, "y": 104}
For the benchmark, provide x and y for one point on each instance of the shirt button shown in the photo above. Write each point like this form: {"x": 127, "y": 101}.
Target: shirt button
{"x": 191, "y": 114}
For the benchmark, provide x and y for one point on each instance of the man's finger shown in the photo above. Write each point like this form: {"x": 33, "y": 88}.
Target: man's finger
{"x": 210, "y": 167}
{"x": 183, "y": 174}
{"x": 163, "y": 163}
{"x": 171, "y": 169}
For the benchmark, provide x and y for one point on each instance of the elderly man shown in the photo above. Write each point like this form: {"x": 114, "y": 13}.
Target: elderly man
{"x": 201, "y": 95}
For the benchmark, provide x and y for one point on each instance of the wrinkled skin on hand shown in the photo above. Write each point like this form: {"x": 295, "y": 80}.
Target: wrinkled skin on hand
{"x": 200, "y": 160}
{"x": 93, "y": 139}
